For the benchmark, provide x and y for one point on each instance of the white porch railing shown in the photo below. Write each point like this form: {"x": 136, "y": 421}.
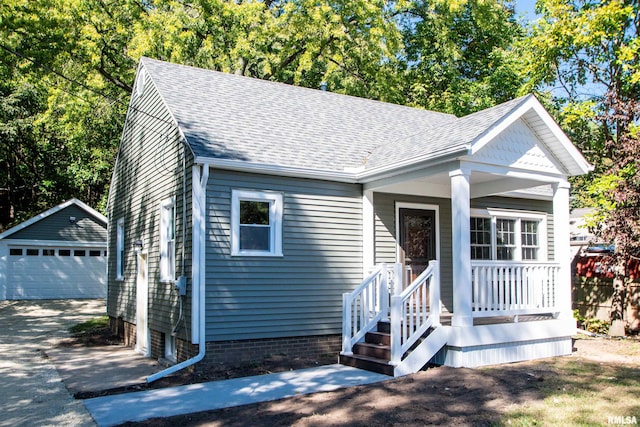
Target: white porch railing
{"x": 511, "y": 289}
{"x": 364, "y": 307}
{"x": 414, "y": 311}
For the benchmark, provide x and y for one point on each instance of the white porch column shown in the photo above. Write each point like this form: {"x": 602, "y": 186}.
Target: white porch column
{"x": 562, "y": 246}
{"x": 368, "y": 232}
{"x": 461, "y": 248}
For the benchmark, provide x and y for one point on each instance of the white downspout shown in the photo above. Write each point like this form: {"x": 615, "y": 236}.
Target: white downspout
{"x": 199, "y": 201}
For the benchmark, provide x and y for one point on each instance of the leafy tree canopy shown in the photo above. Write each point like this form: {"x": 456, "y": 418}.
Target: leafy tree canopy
{"x": 70, "y": 65}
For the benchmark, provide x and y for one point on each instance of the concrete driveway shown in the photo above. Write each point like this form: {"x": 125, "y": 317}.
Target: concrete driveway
{"x": 32, "y": 393}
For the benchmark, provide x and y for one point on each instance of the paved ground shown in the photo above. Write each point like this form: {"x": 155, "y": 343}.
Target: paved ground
{"x": 35, "y": 372}
{"x": 33, "y": 393}
{"x": 164, "y": 402}
{"x": 93, "y": 369}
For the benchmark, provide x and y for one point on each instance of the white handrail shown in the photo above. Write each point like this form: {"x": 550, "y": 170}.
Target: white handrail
{"x": 364, "y": 307}
{"x": 514, "y": 288}
{"x": 413, "y": 313}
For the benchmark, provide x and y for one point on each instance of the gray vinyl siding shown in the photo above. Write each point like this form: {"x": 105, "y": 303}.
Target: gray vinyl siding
{"x": 529, "y": 205}
{"x": 299, "y": 293}
{"x": 57, "y": 226}
{"x": 385, "y": 235}
{"x": 149, "y": 169}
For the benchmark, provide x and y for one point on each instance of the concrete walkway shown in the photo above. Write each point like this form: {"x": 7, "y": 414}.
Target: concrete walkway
{"x": 139, "y": 406}
{"x": 32, "y": 393}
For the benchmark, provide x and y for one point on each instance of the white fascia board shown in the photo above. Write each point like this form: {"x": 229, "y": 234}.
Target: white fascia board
{"x": 348, "y": 176}
{"x": 474, "y": 336}
{"x": 505, "y": 171}
{"x": 296, "y": 172}
{"x": 580, "y": 162}
{"x": 50, "y": 212}
{"x": 413, "y": 164}
{"x": 55, "y": 243}
{"x": 499, "y": 126}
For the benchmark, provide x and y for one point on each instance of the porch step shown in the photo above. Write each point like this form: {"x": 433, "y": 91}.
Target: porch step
{"x": 367, "y": 363}
{"x": 374, "y": 353}
{"x": 379, "y": 351}
{"x": 382, "y": 338}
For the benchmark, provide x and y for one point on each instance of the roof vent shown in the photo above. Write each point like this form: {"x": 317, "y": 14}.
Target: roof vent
{"x": 323, "y": 86}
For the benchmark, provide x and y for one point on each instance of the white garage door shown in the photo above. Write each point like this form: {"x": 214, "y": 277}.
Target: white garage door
{"x": 52, "y": 273}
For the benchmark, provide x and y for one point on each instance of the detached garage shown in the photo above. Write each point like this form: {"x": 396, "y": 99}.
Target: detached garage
{"x": 61, "y": 253}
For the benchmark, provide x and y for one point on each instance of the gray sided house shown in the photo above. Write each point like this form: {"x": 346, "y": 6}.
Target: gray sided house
{"x": 249, "y": 218}
{"x": 60, "y": 253}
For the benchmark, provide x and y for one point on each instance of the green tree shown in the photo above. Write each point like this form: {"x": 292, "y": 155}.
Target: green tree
{"x": 459, "y": 54}
{"x": 582, "y": 51}
{"x": 587, "y": 53}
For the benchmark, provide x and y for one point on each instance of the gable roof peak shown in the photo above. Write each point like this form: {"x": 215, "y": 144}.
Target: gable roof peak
{"x": 51, "y": 211}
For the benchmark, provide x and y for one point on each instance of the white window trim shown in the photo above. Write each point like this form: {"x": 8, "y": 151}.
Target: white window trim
{"x": 120, "y": 249}
{"x": 495, "y": 214}
{"x": 275, "y": 221}
{"x": 167, "y": 262}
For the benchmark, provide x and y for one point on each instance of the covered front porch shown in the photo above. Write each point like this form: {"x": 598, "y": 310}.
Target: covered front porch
{"x": 493, "y": 224}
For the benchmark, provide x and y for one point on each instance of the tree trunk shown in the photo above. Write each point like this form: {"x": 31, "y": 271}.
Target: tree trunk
{"x": 618, "y": 300}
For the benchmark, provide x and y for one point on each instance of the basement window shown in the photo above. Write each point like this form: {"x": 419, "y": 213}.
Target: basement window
{"x": 256, "y": 223}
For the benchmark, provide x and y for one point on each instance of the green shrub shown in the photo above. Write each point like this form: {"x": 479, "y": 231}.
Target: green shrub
{"x": 591, "y": 324}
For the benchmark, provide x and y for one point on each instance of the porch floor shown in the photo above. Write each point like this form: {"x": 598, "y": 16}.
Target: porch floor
{"x": 445, "y": 319}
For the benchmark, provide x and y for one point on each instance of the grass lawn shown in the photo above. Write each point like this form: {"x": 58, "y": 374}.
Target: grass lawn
{"x": 582, "y": 393}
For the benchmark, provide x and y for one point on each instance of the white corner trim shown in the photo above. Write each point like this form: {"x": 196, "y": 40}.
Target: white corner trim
{"x": 368, "y": 232}
{"x": 198, "y": 271}
{"x": 50, "y": 212}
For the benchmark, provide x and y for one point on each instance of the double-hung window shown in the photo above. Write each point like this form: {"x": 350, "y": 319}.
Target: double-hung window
{"x": 168, "y": 240}
{"x": 120, "y": 249}
{"x": 507, "y": 235}
{"x": 256, "y": 223}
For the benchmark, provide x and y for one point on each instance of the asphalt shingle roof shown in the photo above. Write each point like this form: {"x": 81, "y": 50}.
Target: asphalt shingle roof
{"x": 239, "y": 118}
{"x": 449, "y": 137}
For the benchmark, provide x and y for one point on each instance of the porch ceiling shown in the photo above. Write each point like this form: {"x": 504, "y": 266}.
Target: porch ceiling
{"x": 481, "y": 184}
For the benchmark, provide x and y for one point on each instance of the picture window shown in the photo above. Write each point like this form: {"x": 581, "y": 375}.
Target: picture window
{"x": 507, "y": 235}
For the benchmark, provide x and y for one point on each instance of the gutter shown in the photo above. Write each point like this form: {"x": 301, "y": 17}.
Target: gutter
{"x": 199, "y": 198}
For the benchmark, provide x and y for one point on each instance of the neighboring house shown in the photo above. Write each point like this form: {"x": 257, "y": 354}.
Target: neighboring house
{"x": 593, "y": 290}
{"x": 61, "y": 253}
{"x": 581, "y": 237}
{"x": 242, "y": 210}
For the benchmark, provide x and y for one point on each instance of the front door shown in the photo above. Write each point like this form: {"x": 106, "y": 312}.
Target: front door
{"x": 417, "y": 229}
